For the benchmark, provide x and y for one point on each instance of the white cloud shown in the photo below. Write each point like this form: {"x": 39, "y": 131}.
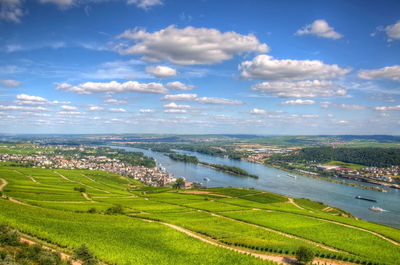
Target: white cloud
{"x": 179, "y": 97}
{"x": 161, "y": 71}
{"x": 178, "y": 111}
{"x": 95, "y": 108}
{"x": 179, "y": 86}
{"x": 60, "y": 3}
{"x": 299, "y": 89}
{"x": 218, "y": 101}
{"x": 351, "y": 107}
{"x": 298, "y": 102}
{"x": 10, "y": 83}
{"x": 69, "y": 108}
{"x": 21, "y": 108}
{"x": 258, "y": 111}
{"x": 320, "y": 28}
{"x": 341, "y": 122}
{"x": 388, "y": 72}
{"x": 24, "y": 99}
{"x": 173, "y": 105}
{"x": 69, "y": 113}
{"x": 117, "y": 110}
{"x": 189, "y": 46}
{"x": 393, "y": 31}
{"x": 388, "y": 108}
{"x": 115, "y": 101}
{"x": 265, "y": 67}
{"x": 145, "y": 4}
{"x": 113, "y": 87}
{"x": 11, "y": 10}
{"x": 146, "y": 111}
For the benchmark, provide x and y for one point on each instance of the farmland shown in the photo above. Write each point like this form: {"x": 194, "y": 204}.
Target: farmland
{"x": 125, "y": 222}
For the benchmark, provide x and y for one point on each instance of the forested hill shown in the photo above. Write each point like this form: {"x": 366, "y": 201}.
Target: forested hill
{"x": 379, "y": 157}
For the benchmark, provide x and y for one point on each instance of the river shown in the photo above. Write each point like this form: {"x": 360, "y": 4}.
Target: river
{"x": 278, "y": 181}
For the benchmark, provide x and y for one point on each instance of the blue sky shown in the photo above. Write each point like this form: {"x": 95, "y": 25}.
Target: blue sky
{"x": 171, "y": 66}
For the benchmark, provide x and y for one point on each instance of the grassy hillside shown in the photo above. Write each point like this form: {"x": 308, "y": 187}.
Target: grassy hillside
{"x": 125, "y": 222}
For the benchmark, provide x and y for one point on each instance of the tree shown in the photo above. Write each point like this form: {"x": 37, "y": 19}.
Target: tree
{"x": 83, "y": 253}
{"x": 304, "y": 255}
{"x": 178, "y": 183}
{"x": 8, "y": 236}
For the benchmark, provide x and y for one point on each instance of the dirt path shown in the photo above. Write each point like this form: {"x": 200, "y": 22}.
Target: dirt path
{"x": 295, "y": 204}
{"x": 80, "y": 183}
{"x": 281, "y": 233}
{"x": 106, "y": 191}
{"x": 275, "y": 258}
{"x": 30, "y": 177}
{"x": 87, "y": 197}
{"x": 5, "y": 182}
{"x": 358, "y": 228}
{"x": 64, "y": 256}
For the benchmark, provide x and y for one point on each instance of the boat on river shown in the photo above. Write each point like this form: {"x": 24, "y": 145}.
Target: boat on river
{"x": 365, "y": 199}
{"x": 206, "y": 179}
{"x": 376, "y": 209}
{"x": 292, "y": 176}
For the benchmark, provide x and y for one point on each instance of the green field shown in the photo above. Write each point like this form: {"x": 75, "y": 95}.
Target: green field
{"x": 346, "y": 165}
{"x": 47, "y": 204}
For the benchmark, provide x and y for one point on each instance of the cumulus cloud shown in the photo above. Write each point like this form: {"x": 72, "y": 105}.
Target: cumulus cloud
{"x": 24, "y": 99}
{"x": 179, "y": 86}
{"x": 69, "y": 108}
{"x": 319, "y": 28}
{"x": 300, "y": 89}
{"x": 258, "y": 111}
{"x": 179, "y": 97}
{"x": 388, "y": 108}
{"x": 265, "y": 67}
{"x": 11, "y": 10}
{"x": 173, "y": 105}
{"x": 188, "y": 46}
{"x": 145, "y": 4}
{"x": 117, "y": 110}
{"x": 161, "y": 71}
{"x": 10, "y": 83}
{"x": 178, "y": 111}
{"x": 22, "y": 108}
{"x": 393, "y": 31}
{"x": 218, "y": 101}
{"x": 351, "y": 107}
{"x": 95, "y": 108}
{"x": 114, "y": 101}
{"x": 388, "y": 72}
{"x": 146, "y": 110}
{"x": 113, "y": 87}
{"x": 298, "y": 102}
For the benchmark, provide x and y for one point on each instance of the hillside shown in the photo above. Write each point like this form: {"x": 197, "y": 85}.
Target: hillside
{"x": 125, "y": 222}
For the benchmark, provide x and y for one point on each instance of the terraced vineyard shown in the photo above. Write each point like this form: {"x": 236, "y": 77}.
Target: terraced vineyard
{"x": 125, "y": 222}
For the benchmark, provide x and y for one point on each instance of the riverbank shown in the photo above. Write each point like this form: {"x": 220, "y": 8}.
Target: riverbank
{"x": 325, "y": 179}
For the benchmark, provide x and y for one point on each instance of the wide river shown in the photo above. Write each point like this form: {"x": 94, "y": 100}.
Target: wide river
{"x": 278, "y": 181}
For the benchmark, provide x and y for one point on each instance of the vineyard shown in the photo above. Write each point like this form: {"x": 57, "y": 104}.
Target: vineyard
{"x": 123, "y": 221}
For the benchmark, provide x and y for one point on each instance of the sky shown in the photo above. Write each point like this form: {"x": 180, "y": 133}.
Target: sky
{"x": 200, "y": 67}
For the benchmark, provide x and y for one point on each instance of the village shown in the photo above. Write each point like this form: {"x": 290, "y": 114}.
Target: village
{"x": 151, "y": 176}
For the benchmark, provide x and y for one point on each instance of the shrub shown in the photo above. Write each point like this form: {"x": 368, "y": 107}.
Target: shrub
{"x": 8, "y": 236}
{"x": 117, "y": 209}
{"x": 304, "y": 255}
{"x": 83, "y": 253}
{"x": 92, "y": 210}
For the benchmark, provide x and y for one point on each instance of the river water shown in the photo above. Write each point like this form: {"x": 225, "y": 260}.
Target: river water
{"x": 278, "y": 181}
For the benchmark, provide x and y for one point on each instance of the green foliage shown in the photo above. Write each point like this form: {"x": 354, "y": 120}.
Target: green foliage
{"x": 304, "y": 255}
{"x": 184, "y": 158}
{"x": 85, "y": 255}
{"x": 117, "y": 209}
{"x": 368, "y": 156}
{"x": 230, "y": 170}
{"x": 178, "y": 183}
{"x": 8, "y": 236}
{"x": 80, "y": 189}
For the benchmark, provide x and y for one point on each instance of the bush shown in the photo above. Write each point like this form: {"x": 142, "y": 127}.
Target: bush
{"x": 117, "y": 209}
{"x": 8, "y": 236}
{"x": 92, "y": 210}
{"x": 304, "y": 255}
{"x": 83, "y": 253}
{"x": 80, "y": 189}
